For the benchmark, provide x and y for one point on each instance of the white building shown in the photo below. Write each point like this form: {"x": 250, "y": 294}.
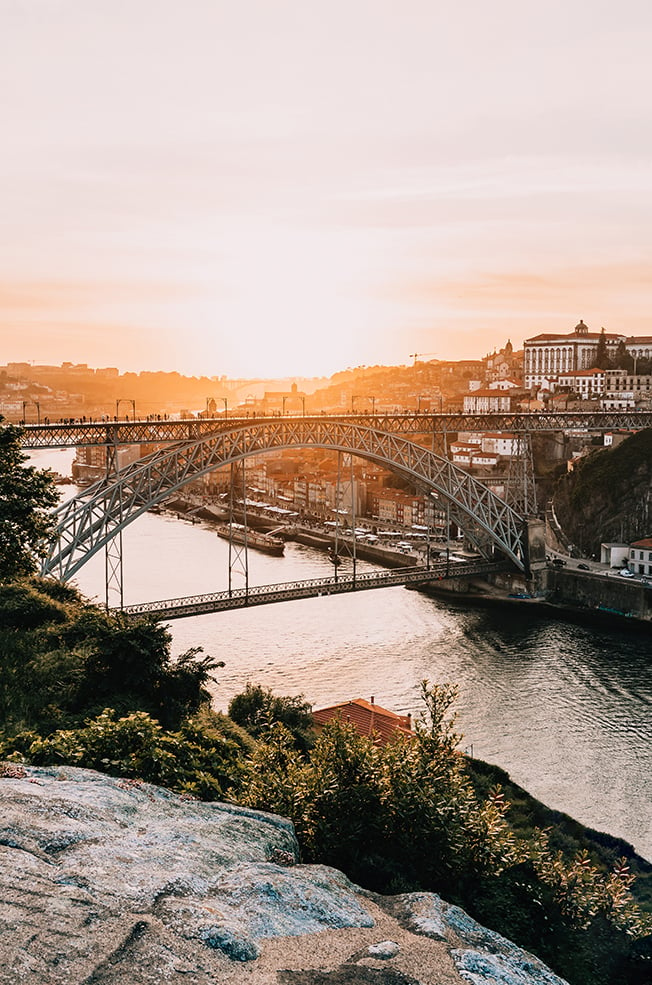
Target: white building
{"x": 505, "y": 384}
{"x": 614, "y": 554}
{"x": 640, "y": 556}
{"x": 505, "y": 445}
{"x": 486, "y": 402}
{"x": 546, "y": 356}
{"x": 588, "y": 383}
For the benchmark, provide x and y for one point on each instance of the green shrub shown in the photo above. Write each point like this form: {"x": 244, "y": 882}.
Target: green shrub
{"x": 194, "y": 760}
{"x": 257, "y": 709}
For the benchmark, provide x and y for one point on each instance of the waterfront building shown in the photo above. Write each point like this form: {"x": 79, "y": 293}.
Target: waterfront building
{"x": 624, "y": 389}
{"x": 586, "y": 383}
{"x": 640, "y": 556}
{"x": 546, "y": 356}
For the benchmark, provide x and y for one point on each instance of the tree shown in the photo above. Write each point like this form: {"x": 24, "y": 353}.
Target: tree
{"x": 622, "y": 359}
{"x": 602, "y": 360}
{"x": 63, "y": 659}
{"x": 27, "y": 497}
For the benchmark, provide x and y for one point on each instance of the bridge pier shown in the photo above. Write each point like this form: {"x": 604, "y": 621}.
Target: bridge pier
{"x": 535, "y": 543}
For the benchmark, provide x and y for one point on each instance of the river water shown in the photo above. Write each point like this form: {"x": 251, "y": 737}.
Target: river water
{"x": 564, "y": 708}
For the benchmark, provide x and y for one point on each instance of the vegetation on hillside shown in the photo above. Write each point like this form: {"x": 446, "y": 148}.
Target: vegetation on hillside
{"x": 608, "y": 495}
{"x": 27, "y": 496}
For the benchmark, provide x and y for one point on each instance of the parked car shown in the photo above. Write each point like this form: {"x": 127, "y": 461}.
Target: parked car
{"x": 558, "y": 562}
{"x": 626, "y": 573}
{"x": 583, "y": 567}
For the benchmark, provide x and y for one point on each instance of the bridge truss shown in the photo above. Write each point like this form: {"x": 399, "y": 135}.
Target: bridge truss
{"x": 77, "y": 434}
{"x": 88, "y": 522}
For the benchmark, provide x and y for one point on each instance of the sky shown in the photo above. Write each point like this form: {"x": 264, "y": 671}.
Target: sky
{"x": 294, "y": 187}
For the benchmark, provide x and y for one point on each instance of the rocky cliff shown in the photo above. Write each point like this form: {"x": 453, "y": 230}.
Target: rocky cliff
{"x": 608, "y": 496}
{"x": 107, "y": 881}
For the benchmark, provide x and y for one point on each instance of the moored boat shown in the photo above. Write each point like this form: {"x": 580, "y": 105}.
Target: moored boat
{"x": 254, "y": 538}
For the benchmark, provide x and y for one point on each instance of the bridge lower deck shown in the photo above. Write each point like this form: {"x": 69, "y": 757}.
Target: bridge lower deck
{"x": 240, "y": 598}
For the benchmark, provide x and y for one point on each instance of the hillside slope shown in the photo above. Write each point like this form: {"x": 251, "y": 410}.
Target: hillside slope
{"x": 608, "y": 496}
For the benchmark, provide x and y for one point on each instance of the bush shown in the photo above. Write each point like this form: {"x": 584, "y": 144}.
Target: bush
{"x": 196, "y": 760}
{"x": 256, "y": 709}
{"x": 63, "y": 660}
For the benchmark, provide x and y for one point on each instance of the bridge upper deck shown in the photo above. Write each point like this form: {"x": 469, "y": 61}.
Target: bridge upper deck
{"x": 74, "y": 434}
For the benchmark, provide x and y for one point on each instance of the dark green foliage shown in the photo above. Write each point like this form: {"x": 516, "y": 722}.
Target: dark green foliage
{"x": 65, "y": 660}
{"x": 27, "y": 498}
{"x": 394, "y": 816}
{"x": 197, "y": 759}
{"x": 565, "y": 833}
{"x": 24, "y": 605}
{"x": 256, "y": 709}
{"x": 602, "y": 360}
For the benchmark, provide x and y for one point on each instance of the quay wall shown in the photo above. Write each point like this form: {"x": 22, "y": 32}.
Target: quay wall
{"x": 608, "y": 593}
{"x": 572, "y": 594}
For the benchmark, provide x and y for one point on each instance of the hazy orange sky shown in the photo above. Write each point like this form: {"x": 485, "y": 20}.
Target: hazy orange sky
{"x": 285, "y": 187}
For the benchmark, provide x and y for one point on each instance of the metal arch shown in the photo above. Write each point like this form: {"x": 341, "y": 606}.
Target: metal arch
{"x": 88, "y": 521}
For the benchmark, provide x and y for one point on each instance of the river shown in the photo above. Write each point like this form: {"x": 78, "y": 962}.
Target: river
{"x": 564, "y": 708}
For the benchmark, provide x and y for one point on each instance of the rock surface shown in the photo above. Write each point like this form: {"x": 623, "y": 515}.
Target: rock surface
{"x": 106, "y": 881}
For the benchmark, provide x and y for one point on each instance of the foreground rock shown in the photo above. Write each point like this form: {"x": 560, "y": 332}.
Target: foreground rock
{"x": 106, "y": 881}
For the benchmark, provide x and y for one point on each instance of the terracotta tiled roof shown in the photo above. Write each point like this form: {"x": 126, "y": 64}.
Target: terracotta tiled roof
{"x": 645, "y": 544}
{"x": 368, "y": 718}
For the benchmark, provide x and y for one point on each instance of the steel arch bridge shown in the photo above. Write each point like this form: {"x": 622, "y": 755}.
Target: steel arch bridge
{"x": 88, "y": 522}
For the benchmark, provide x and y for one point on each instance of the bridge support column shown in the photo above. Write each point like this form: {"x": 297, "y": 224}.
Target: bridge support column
{"x": 113, "y": 582}
{"x": 535, "y": 543}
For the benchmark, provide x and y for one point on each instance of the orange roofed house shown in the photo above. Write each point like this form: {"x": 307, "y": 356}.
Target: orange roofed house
{"x": 368, "y": 718}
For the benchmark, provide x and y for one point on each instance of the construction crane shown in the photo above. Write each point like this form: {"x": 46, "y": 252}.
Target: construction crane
{"x": 415, "y": 355}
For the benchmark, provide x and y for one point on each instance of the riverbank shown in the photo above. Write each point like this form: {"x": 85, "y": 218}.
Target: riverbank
{"x": 554, "y": 593}
{"x": 556, "y": 602}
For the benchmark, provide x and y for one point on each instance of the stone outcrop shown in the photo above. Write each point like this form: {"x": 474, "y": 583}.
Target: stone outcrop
{"x": 106, "y": 881}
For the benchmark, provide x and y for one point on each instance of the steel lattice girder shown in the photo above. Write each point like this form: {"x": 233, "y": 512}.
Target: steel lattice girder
{"x": 148, "y": 432}
{"x": 88, "y": 521}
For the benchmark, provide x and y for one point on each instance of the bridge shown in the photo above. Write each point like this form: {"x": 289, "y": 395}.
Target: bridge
{"x": 92, "y": 519}
{"x": 70, "y": 434}
{"x": 188, "y": 449}
{"x": 195, "y": 605}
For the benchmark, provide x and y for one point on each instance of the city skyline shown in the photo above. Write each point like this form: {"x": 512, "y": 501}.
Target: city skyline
{"x": 281, "y": 190}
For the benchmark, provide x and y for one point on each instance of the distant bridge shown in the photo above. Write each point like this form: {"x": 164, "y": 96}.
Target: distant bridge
{"x": 112, "y": 433}
{"x": 196, "y": 605}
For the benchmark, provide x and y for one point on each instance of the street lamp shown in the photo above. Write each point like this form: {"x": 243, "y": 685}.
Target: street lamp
{"x": 26, "y": 403}
{"x": 226, "y": 407}
{"x": 127, "y": 400}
